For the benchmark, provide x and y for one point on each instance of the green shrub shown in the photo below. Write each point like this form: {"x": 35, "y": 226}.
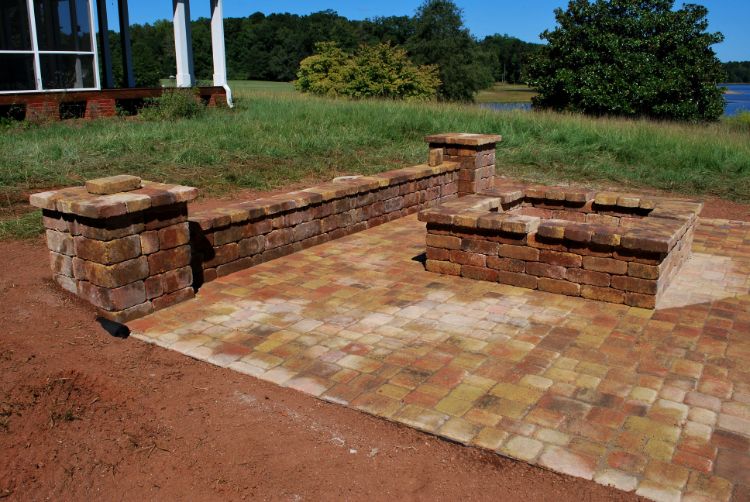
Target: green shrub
{"x": 634, "y": 58}
{"x": 377, "y": 71}
{"x": 173, "y": 104}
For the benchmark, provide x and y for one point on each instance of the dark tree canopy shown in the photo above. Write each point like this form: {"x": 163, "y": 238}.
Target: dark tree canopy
{"x": 441, "y": 38}
{"x": 738, "y": 71}
{"x": 630, "y": 58}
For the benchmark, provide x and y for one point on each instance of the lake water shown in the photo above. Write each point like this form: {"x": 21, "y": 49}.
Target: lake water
{"x": 738, "y": 100}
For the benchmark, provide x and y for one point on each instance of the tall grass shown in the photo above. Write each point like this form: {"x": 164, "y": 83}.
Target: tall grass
{"x": 274, "y": 138}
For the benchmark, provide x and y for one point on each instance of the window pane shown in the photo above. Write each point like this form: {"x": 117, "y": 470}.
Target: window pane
{"x": 63, "y": 25}
{"x": 67, "y": 71}
{"x": 17, "y": 72}
{"x": 14, "y": 25}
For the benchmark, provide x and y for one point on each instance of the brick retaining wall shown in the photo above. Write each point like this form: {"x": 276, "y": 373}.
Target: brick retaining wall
{"x": 130, "y": 247}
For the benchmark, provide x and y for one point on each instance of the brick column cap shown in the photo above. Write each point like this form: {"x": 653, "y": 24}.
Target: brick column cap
{"x": 463, "y": 139}
{"x": 81, "y": 202}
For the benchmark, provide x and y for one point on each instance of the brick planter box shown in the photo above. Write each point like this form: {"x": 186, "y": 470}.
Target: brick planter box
{"x": 619, "y": 248}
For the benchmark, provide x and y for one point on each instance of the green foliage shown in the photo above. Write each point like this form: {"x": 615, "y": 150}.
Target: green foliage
{"x": 376, "y": 71}
{"x": 440, "y": 38}
{"x": 630, "y": 58}
{"x": 738, "y": 72}
{"x": 507, "y": 57}
{"x": 172, "y": 105}
{"x": 739, "y": 122}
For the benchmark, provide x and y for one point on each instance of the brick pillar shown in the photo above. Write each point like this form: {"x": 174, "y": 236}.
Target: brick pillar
{"x": 100, "y": 107}
{"x": 120, "y": 243}
{"x": 42, "y": 111}
{"x": 475, "y": 153}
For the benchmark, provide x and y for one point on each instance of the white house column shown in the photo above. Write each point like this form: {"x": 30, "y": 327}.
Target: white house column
{"x": 183, "y": 44}
{"x": 218, "y": 48}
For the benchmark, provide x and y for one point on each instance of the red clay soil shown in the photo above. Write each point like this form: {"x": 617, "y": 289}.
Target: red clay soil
{"x": 85, "y": 415}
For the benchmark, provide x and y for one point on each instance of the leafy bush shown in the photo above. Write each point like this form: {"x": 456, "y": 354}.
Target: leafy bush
{"x": 173, "y": 104}
{"x": 630, "y": 58}
{"x": 377, "y": 71}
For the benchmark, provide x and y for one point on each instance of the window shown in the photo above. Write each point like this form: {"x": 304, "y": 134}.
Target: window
{"x": 47, "y": 45}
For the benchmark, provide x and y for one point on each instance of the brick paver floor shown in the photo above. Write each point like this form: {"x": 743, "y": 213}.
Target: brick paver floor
{"x": 653, "y": 401}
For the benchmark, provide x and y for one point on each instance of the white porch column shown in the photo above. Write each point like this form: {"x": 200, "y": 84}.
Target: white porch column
{"x": 183, "y": 44}
{"x": 218, "y": 48}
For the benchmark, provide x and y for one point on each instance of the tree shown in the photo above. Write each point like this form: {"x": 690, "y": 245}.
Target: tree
{"x": 630, "y": 58}
{"x": 373, "y": 71}
{"x": 440, "y": 38}
{"x": 738, "y": 71}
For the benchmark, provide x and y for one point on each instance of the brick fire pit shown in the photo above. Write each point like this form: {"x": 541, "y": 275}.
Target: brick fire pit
{"x": 614, "y": 247}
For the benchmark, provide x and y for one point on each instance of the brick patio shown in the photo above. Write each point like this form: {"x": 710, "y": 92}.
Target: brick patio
{"x": 656, "y": 401}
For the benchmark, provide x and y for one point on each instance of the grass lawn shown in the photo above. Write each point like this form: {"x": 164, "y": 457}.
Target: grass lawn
{"x": 506, "y": 93}
{"x": 275, "y": 136}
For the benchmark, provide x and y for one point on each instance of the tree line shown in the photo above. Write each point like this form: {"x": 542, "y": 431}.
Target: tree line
{"x": 738, "y": 71}
{"x": 271, "y": 47}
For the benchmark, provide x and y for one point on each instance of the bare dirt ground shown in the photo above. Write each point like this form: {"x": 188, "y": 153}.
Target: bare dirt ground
{"x": 87, "y": 415}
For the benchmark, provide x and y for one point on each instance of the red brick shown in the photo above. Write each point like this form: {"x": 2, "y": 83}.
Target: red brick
{"x": 559, "y": 287}
{"x": 546, "y": 270}
{"x": 438, "y": 254}
{"x": 607, "y": 265}
{"x": 640, "y": 300}
{"x": 480, "y": 246}
{"x": 562, "y": 259}
{"x": 692, "y": 461}
{"x": 479, "y": 273}
{"x": 153, "y": 287}
{"x": 251, "y": 246}
{"x": 221, "y": 255}
{"x": 60, "y": 242}
{"x": 173, "y": 236}
{"x": 113, "y": 299}
{"x": 506, "y": 264}
{"x": 634, "y": 284}
{"x": 443, "y": 241}
{"x": 177, "y": 279}
{"x": 278, "y": 238}
{"x": 173, "y": 298}
{"x": 306, "y": 230}
{"x": 149, "y": 242}
{"x": 602, "y": 294}
{"x": 61, "y": 264}
{"x": 463, "y": 258}
{"x": 170, "y": 259}
{"x": 111, "y": 276}
{"x": 643, "y": 271}
{"x": 519, "y": 252}
{"x": 443, "y": 267}
{"x": 257, "y": 228}
{"x": 520, "y": 280}
{"x": 109, "y": 252}
{"x": 589, "y": 277}
{"x": 237, "y": 265}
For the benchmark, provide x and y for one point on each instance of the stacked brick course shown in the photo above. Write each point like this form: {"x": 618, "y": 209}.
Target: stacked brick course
{"x": 619, "y": 248}
{"x": 129, "y": 247}
{"x": 475, "y": 153}
{"x": 42, "y": 111}
{"x": 248, "y": 233}
{"x": 101, "y": 107}
{"x": 120, "y": 243}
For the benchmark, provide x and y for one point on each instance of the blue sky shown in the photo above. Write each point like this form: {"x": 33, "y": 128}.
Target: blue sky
{"x": 524, "y": 19}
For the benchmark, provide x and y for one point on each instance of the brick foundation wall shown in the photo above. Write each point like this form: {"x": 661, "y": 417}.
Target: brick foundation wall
{"x": 98, "y": 108}
{"x": 42, "y": 111}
